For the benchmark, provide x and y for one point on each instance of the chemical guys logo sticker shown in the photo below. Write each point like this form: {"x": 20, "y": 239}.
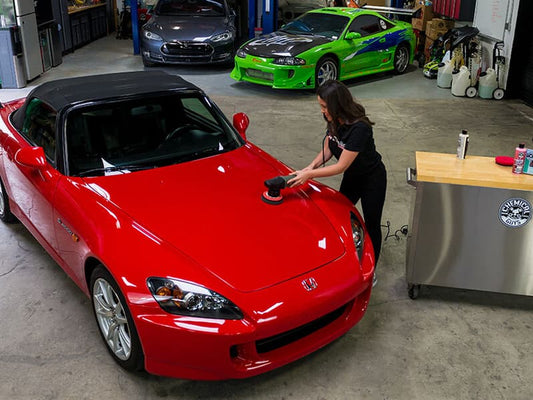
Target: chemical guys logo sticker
{"x": 515, "y": 212}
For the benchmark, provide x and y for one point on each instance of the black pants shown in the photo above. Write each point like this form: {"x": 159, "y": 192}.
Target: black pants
{"x": 370, "y": 189}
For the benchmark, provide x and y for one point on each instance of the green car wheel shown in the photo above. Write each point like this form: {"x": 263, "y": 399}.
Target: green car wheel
{"x": 401, "y": 59}
{"x": 326, "y": 69}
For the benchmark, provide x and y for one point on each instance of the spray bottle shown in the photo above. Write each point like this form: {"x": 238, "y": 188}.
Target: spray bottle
{"x": 519, "y": 158}
{"x": 463, "y": 144}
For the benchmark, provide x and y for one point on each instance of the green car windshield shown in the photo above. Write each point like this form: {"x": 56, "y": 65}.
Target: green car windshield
{"x": 327, "y": 25}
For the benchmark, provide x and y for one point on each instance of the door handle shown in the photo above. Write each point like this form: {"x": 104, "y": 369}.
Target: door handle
{"x": 382, "y": 40}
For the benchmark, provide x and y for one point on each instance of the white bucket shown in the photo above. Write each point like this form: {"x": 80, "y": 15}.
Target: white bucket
{"x": 487, "y": 83}
{"x": 460, "y": 81}
{"x": 444, "y": 75}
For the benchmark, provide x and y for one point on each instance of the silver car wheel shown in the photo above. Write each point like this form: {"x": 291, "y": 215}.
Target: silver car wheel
{"x": 326, "y": 70}
{"x": 2, "y": 203}
{"x": 401, "y": 59}
{"x": 112, "y": 319}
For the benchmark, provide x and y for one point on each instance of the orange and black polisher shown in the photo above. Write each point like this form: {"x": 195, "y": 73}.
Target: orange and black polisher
{"x": 274, "y": 185}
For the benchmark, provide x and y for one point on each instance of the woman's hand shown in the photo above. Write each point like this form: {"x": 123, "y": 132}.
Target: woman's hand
{"x": 301, "y": 177}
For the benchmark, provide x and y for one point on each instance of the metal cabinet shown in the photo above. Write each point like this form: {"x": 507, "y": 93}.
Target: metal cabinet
{"x": 470, "y": 226}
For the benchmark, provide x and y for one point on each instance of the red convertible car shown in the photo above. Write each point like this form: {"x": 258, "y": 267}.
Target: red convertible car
{"x": 153, "y": 203}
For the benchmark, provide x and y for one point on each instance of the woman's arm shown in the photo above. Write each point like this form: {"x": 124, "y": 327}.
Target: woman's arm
{"x": 345, "y": 160}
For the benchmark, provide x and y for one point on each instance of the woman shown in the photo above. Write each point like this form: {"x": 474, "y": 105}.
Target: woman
{"x": 350, "y": 140}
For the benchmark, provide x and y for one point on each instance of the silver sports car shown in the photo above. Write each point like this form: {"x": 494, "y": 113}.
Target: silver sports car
{"x": 189, "y": 31}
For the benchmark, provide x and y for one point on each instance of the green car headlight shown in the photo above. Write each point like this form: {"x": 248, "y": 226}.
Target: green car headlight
{"x": 289, "y": 61}
{"x": 358, "y": 235}
{"x": 152, "y": 36}
{"x": 185, "y": 298}
{"x": 223, "y": 37}
{"x": 241, "y": 53}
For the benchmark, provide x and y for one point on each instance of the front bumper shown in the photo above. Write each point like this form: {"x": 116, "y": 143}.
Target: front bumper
{"x": 285, "y": 323}
{"x": 187, "y": 52}
{"x": 263, "y": 72}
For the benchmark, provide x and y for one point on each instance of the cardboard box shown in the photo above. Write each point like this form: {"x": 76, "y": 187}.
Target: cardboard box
{"x": 427, "y": 48}
{"x": 435, "y": 29}
{"x": 382, "y": 3}
{"x": 423, "y": 15}
{"x": 418, "y": 23}
{"x": 443, "y": 23}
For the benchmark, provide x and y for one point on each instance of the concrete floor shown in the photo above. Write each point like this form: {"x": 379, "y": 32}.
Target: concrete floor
{"x": 447, "y": 344}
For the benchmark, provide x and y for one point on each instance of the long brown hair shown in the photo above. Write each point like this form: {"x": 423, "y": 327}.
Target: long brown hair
{"x": 341, "y": 105}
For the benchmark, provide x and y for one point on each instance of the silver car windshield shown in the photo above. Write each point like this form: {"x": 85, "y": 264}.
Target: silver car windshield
{"x": 126, "y": 136}
{"x": 189, "y": 7}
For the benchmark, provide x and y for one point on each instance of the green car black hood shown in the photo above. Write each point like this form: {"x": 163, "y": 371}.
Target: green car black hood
{"x": 279, "y": 43}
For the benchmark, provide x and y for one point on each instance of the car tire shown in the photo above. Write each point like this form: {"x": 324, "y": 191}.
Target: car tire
{"x": 5, "y": 211}
{"x": 401, "y": 58}
{"x": 114, "y": 321}
{"x": 326, "y": 69}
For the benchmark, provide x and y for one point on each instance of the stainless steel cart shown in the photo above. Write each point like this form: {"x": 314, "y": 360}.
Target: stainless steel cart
{"x": 470, "y": 227}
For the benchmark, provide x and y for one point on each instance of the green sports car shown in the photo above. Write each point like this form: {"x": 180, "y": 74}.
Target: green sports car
{"x": 328, "y": 43}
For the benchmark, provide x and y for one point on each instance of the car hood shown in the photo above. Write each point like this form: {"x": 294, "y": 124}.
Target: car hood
{"x": 211, "y": 209}
{"x": 187, "y": 28}
{"x": 282, "y": 44}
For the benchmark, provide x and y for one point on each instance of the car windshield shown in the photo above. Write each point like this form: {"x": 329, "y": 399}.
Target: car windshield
{"x": 125, "y": 136}
{"x": 328, "y": 25}
{"x": 189, "y": 7}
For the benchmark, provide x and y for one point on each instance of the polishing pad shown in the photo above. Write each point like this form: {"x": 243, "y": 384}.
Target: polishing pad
{"x": 504, "y": 160}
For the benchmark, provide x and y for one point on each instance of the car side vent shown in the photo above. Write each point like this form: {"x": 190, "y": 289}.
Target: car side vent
{"x": 285, "y": 338}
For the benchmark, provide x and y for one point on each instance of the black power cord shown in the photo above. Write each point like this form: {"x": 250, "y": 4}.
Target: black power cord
{"x": 403, "y": 230}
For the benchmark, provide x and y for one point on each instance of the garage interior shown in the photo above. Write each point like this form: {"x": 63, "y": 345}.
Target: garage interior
{"x": 448, "y": 343}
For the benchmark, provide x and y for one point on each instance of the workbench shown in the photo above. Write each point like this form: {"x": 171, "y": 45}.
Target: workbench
{"x": 470, "y": 225}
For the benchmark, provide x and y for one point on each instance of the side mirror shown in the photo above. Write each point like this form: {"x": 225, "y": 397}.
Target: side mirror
{"x": 352, "y": 35}
{"x": 241, "y": 123}
{"x": 32, "y": 157}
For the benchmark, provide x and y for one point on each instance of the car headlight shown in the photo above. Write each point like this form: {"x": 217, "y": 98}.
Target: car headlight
{"x": 152, "y": 36}
{"x": 358, "y": 235}
{"x": 241, "y": 53}
{"x": 223, "y": 37}
{"x": 289, "y": 61}
{"x": 185, "y": 298}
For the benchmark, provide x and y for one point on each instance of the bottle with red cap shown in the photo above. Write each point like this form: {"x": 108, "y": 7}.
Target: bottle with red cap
{"x": 519, "y": 158}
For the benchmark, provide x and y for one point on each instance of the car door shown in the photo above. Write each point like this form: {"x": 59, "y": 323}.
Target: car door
{"x": 371, "y": 49}
{"x": 33, "y": 186}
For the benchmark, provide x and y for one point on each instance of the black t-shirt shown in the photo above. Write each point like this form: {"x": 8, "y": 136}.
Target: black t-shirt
{"x": 356, "y": 137}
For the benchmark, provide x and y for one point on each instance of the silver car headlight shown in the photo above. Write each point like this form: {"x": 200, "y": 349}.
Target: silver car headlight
{"x": 186, "y": 298}
{"x": 223, "y": 37}
{"x": 152, "y": 36}
{"x": 289, "y": 61}
{"x": 358, "y": 235}
{"x": 241, "y": 53}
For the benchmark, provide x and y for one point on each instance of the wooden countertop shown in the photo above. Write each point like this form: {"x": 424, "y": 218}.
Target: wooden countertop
{"x": 472, "y": 171}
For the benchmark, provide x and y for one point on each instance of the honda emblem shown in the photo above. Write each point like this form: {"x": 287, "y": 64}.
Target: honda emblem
{"x": 309, "y": 284}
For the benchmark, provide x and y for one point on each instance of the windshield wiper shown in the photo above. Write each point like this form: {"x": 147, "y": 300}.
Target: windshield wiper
{"x": 124, "y": 169}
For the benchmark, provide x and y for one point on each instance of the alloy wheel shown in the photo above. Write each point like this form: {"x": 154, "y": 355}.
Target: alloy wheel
{"x": 401, "y": 59}
{"x": 112, "y": 319}
{"x": 326, "y": 71}
{"x": 2, "y": 203}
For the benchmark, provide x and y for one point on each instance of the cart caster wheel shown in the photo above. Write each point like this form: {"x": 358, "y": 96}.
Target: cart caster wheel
{"x": 471, "y": 92}
{"x": 413, "y": 291}
{"x": 498, "y": 94}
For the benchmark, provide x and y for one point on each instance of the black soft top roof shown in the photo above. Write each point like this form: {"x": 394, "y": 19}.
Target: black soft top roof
{"x": 64, "y": 92}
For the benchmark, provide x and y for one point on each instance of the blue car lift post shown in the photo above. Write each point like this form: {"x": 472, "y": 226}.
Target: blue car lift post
{"x": 269, "y": 16}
